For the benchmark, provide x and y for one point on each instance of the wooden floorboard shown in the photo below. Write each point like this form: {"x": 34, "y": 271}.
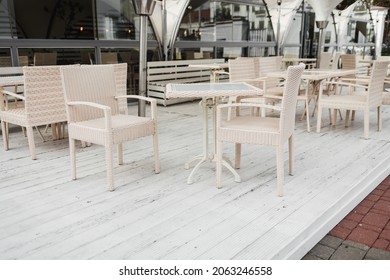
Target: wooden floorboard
{"x": 46, "y": 215}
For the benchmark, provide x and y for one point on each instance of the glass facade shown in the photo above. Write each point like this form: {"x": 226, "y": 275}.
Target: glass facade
{"x": 219, "y": 21}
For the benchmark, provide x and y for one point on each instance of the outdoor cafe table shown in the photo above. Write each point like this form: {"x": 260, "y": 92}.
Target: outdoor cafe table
{"x": 310, "y": 62}
{"x": 215, "y": 68}
{"x": 314, "y": 78}
{"x": 210, "y": 94}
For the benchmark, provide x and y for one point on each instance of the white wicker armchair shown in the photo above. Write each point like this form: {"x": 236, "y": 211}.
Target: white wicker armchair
{"x": 263, "y": 130}
{"x": 360, "y": 97}
{"x": 94, "y": 117}
{"x": 43, "y": 103}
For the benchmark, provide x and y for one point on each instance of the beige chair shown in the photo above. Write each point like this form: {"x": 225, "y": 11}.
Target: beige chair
{"x": 273, "y": 87}
{"x": 109, "y": 58}
{"x": 359, "y": 98}
{"x": 42, "y": 59}
{"x": 94, "y": 115}
{"x": 244, "y": 69}
{"x": 386, "y": 92}
{"x": 263, "y": 130}
{"x": 43, "y": 103}
{"x": 120, "y": 70}
{"x": 325, "y": 60}
{"x": 335, "y": 60}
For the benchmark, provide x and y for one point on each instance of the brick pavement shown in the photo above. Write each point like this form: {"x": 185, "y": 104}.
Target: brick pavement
{"x": 363, "y": 234}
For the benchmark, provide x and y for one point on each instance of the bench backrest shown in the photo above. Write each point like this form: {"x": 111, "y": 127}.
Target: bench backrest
{"x": 179, "y": 70}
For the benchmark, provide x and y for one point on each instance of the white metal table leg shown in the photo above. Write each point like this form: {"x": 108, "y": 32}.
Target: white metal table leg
{"x": 207, "y": 156}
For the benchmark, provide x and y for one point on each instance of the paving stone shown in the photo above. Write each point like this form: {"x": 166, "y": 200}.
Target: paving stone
{"x": 321, "y": 251}
{"x": 378, "y": 192}
{"x": 385, "y": 234}
{"x": 345, "y": 252}
{"x": 348, "y": 224}
{"x": 354, "y": 216}
{"x": 382, "y": 205}
{"x": 331, "y": 241}
{"x": 373, "y": 197}
{"x": 360, "y": 246}
{"x": 386, "y": 193}
{"x": 361, "y": 209}
{"x": 309, "y": 257}
{"x": 340, "y": 232}
{"x": 367, "y": 203}
{"x": 364, "y": 236}
{"x": 377, "y": 254}
{"x": 375, "y": 219}
{"x": 381, "y": 244}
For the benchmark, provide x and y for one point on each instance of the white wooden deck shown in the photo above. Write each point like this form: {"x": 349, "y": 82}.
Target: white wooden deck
{"x": 46, "y": 215}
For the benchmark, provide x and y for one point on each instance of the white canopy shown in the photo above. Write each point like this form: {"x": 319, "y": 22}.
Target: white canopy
{"x": 323, "y": 8}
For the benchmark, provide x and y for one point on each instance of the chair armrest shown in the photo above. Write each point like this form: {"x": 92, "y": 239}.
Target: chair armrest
{"x": 248, "y": 105}
{"x": 345, "y": 84}
{"x": 106, "y": 110}
{"x": 153, "y": 103}
{"x": 258, "y": 105}
{"x": 13, "y": 94}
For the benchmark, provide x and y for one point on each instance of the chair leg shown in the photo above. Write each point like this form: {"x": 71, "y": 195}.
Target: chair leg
{"x": 307, "y": 115}
{"x": 31, "y": 142}
{"x": 120, "y": 153}
{"x": 366, "y": 123}
{"x": 156, "y": 154}
{"x": 279, "y": 169}
{"x": 218, "y": 167}
{"x": 72, "y": 150}
{"x": 347, "y": 115}
{"x": 237, "y": 163}
{"x": 109, "y": 166}
{"x": 4, "y": 128}
{"x": 319, "y": 117}
{"x": 291, "y": 155}
{"x": 379, "y": 110}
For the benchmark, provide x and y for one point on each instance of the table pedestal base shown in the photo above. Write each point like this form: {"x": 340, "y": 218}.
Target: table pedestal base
{"x": 206, "y": 156}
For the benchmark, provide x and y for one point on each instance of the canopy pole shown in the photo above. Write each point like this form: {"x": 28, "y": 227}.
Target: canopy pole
{"x": 278, "y": 29}
{"x": 322, "y": 24}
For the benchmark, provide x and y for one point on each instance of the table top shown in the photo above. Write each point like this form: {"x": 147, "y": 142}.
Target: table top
{"x": 11, "y": 80}
{"x": 200, "y": 90}
{"x": 212, "y": 66}
{"x": 317, "y": 74}
{"x": 296, "y": 59}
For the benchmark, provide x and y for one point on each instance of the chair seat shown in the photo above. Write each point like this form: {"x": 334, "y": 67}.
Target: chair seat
{"x": 252, "y": 123}
{"x": 122, "y": 125}
{"x": 15, "y": 115}
{"x": 344, "y": 101}
{"x": 253, "y": 130}
{"x": 118, "y": 122}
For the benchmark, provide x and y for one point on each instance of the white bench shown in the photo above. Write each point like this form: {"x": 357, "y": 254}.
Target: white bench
{"x": 12, "y": 71}
{"x": 161, "y": 73}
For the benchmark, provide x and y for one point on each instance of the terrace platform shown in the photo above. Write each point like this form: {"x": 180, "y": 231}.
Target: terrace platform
{"x": 46, "y": 215}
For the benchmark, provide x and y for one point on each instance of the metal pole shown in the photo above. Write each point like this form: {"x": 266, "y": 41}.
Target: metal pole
{"x": 303, "y": 30}
{"x": 278, "y": 29}
{"x": 142, "y": 63}
{"x": 321, "y": 25}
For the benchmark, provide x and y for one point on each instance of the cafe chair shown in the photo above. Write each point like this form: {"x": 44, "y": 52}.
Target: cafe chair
{"x": 270, "y": 131}
{"x": 45, "y": 59}
{"x": 244, "y": 70}
{"x": 359, "y": 97}
{"x": 325, "y": 60}
{"x": 43, "y": 101}
{"x": 94, "y": 115}
{"x": 335, "y": 60}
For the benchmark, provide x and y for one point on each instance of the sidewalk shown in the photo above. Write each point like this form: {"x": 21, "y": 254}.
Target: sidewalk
{"x": 363, "y": 234}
